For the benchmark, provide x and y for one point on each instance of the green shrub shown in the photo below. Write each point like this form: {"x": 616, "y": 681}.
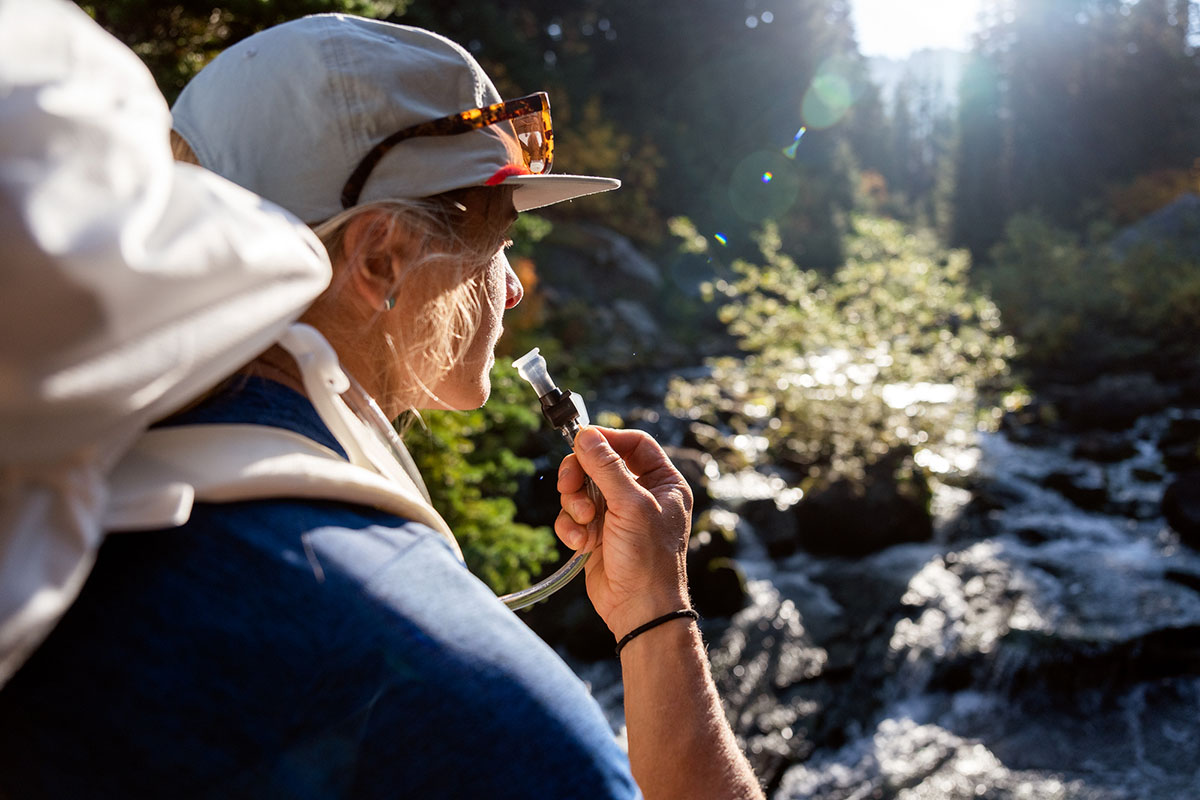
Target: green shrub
{"x": 1076, "y": 306}
{"x": 890, "y": 351}
{"x": 469, "y": 463}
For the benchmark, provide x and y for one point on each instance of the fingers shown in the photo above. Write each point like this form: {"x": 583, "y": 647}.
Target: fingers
{"x": 579, "y": 507}
{"x": 570, "y": 475}
{"x": 638, "y": 449}
{"x": 572, "y": 534}
{"x": 605, "y": 466}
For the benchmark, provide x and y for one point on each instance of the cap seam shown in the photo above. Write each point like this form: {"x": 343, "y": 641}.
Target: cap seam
{"x": 346, "y": 136}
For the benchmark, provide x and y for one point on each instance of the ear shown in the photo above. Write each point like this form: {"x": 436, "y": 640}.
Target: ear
{"x": 375, "y": 252}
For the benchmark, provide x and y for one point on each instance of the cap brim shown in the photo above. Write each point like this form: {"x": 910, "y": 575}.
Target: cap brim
{"x": 535, "y": 191}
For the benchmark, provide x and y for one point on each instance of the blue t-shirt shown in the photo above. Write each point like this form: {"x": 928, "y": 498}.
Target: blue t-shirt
{"x": 299, "y": 649}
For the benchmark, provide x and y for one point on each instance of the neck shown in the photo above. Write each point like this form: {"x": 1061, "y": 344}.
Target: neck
{"x": 276, "y": 364}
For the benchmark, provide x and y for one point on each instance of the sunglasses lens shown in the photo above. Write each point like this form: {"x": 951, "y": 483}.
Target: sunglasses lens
{"x": 530, "y": 140}
{"x": 534, "y": 144}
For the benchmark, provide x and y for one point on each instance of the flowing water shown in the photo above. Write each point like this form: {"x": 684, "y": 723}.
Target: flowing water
{"x": 1045, "y": 644}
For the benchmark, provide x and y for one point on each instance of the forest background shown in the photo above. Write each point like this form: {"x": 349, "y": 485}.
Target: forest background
{"x": 982, "y": 233}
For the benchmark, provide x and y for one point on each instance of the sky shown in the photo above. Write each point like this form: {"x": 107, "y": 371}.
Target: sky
{"x": 897, "y": 28}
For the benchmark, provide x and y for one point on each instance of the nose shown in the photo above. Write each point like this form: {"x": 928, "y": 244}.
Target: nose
{"x": 514, "y": 291}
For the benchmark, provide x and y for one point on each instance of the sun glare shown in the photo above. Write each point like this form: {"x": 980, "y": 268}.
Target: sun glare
{"x": 898, "y": 29}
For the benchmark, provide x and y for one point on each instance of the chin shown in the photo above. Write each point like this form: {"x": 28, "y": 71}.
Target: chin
{"x": 466, "y": 398}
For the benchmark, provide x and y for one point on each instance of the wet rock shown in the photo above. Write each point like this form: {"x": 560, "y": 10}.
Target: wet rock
{"x": 1045, "y": 622}
{"x": 1115, "y": 402}
{"x": 1086, "y": 486}
{"x": 1106, "y": 448}
{"x": 1032, "y": 425}
{"x": 1147, "y": 474}
{"x": 994, "y": 495}
{"x": 717, "y": 585}
{"x": 777, "y": 528}
{"x": 718, "y": 588}
{"x": 1180, "y": 444}
{"x": 1031, "y": 536}
{"x": 853, "y": 518}
{"x": 1181, "y": 507}
{"x": 901, "y": 758}
{"x": 762, "y": 664}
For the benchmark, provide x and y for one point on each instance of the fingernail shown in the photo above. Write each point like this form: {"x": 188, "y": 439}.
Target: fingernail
{"x": 575, "y": 539}
{"x": 588, "y": 439}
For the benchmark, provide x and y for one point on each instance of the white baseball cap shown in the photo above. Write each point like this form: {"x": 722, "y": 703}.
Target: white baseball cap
{"x": 292, "y": 112}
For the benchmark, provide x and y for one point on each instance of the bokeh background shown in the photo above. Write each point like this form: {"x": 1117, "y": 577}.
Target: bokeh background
{"x": 919, "y": 324}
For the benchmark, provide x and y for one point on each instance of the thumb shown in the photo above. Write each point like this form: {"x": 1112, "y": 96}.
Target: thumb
{"x": 604, "y": 465}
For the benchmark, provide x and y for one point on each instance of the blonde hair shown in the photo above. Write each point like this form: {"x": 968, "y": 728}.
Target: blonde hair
{"x": 451, "y": 246}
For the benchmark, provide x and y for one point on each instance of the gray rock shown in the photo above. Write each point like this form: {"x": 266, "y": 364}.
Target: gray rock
{"x": 1180, "y": 444}
{"x": 1085, "y": 486}
{"x": 634, "y": 316}
{"x": 1175, "y": 226}
{"x": 1115, "y": 402}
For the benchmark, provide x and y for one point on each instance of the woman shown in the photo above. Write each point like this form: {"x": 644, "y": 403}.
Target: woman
{"x": 305, "y": 648}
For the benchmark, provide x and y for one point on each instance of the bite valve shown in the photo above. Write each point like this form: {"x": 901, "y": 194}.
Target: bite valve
{"x": 565, "y": 411}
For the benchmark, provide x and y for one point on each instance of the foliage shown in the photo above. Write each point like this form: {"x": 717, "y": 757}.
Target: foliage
{"x": 469, "y": 463}
{"x": 1079, "y": 306}
{"x": 892, "y": 350}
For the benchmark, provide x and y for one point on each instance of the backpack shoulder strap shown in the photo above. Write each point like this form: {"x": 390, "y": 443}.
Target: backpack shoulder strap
{"x": 156, "y": 483}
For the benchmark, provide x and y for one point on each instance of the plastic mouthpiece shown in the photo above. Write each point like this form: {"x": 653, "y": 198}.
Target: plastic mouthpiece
{"x": 532, "y": 367}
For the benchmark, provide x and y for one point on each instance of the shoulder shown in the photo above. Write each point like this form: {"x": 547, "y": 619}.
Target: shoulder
{"x": 304, "y": 625}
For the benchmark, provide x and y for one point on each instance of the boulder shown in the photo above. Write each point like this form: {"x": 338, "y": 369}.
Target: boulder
{"x": 1181, "y": 507}
{"x": 1115, "y": 402}
{"x": 1180, "y": 444}
{"x": 1174, "y": 227}
{"x": 717, "y": 585}
{"x": 1085, "y": 486}
{"x": 853, "y": 518}
{"x": 777, "y": 528}
{"x": 1104, "y": 447}
{"x": 718, "y": 588}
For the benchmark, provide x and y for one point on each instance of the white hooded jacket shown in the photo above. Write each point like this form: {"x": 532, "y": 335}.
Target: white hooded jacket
{"x": 129, "y": 285}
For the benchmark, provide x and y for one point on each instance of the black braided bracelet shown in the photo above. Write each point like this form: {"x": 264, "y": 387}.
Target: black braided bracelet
{"x": 654, "y": 623}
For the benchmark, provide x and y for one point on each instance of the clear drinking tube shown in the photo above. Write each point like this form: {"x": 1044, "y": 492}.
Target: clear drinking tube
{"x": 567, "y": 413}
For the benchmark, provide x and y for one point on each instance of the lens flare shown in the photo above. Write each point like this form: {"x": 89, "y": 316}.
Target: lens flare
{"x": 767, "y": 177}
{"x": 790, "y": 150}
{"x": 720, "y": 237}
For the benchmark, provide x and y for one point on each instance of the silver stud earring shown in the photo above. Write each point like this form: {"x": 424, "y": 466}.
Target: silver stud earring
{"x": 390, "y": 303}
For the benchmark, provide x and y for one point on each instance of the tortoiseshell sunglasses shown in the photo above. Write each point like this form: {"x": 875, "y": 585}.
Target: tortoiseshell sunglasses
{"x": 530, "y": 117}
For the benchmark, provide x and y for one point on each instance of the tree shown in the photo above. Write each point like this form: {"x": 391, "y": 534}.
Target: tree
{"x": 1069, "y": 100}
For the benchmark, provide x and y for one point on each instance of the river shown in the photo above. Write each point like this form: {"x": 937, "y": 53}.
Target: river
{"x": 1045, "y": 643}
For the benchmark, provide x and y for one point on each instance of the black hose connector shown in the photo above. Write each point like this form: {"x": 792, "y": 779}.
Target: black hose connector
{"x": 558, "y": 409}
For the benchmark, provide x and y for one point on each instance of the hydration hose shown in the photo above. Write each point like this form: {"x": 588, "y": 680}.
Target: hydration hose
{"x": 567, "y": 414}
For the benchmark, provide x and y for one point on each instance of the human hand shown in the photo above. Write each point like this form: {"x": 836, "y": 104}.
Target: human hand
{"x": 637, "y": 570}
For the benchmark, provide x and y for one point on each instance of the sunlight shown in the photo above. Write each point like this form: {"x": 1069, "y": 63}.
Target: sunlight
{"x": 896, "y": 30}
